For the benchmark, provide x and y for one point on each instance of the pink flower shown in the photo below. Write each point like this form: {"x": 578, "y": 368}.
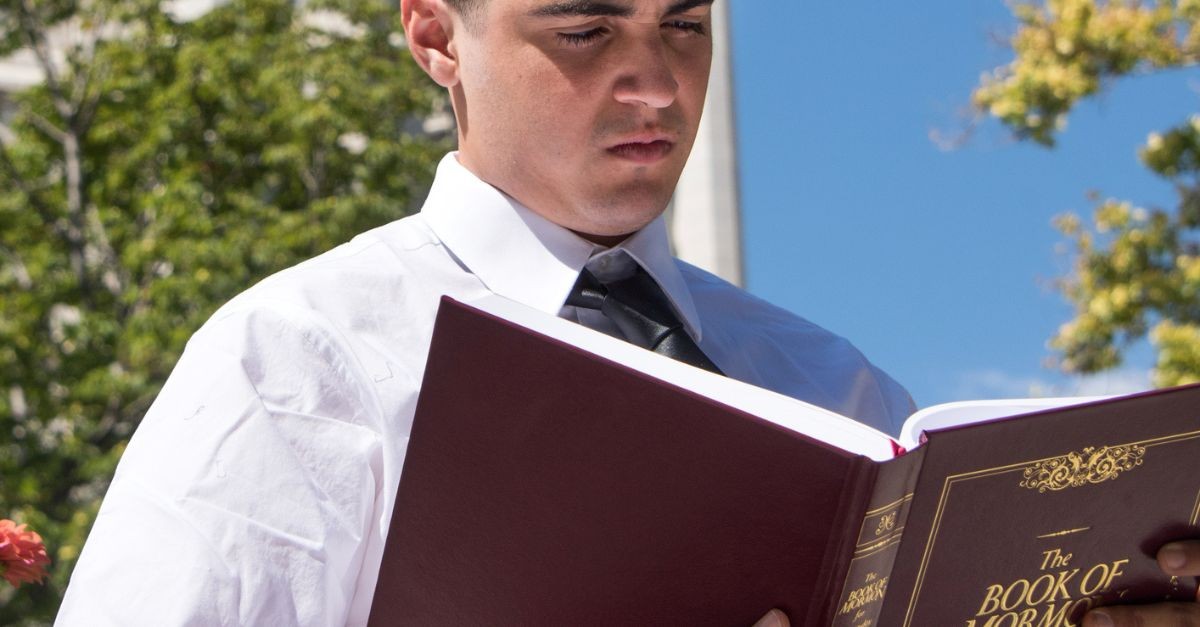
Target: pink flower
{"x": 22, "y": 555}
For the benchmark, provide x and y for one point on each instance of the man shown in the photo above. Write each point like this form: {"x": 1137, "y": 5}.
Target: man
{"x": 259, "y": 487}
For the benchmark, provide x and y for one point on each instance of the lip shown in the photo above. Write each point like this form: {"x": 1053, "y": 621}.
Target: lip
{"x": 643, "y": 148}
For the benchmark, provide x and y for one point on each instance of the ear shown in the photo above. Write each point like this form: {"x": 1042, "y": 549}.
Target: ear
{"x": 429, "y": 27}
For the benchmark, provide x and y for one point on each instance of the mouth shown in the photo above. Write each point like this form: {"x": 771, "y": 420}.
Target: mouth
{"x": 643, "y": 150}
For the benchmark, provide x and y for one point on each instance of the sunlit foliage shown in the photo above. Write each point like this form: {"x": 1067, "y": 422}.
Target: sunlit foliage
{"x": 164, "y": 164}
{"x": 1136, "y": 270}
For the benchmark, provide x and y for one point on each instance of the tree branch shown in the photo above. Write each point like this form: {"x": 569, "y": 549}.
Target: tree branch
{"x": 71, "y": 233}
{"x": 20, "y": 270}
{"x": 22, "y": 185}
{"x": 35, "y": 35}
{"x": 46, "y": 126}
{"x": 120, "y": 277}
{"x": 93, "y": 72}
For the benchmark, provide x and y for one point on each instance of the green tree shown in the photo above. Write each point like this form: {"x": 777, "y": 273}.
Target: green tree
{"x": 1136, "y": 271}
{"x": 160, "y": 167}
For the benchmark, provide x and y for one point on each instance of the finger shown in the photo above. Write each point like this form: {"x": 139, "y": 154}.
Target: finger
{"x": 1161, "y": 614}
{"x": 1180, "y": 558}
{"x": 774, "y": 618}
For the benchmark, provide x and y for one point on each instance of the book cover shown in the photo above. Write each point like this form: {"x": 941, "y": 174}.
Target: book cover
{"x": 545, "y": 485}
{"x": 1037, "y": 519}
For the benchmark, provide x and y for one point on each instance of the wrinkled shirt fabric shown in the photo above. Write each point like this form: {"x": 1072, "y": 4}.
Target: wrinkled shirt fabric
{"x": 259, "y": 486}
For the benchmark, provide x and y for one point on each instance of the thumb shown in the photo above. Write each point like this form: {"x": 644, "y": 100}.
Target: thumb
{"x": 774, "y": 618}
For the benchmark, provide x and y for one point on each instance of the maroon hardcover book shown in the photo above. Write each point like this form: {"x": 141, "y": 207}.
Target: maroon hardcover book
{"x": 544, "y": 485}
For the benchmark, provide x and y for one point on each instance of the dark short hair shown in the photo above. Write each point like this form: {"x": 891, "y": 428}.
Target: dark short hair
{"x": 464, "y": 7}
{"x": 467, "y": 9}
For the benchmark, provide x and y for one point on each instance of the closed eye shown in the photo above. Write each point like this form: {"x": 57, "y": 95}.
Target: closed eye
{"x": 686, "y": 26}
{"x": 582, "y": 38}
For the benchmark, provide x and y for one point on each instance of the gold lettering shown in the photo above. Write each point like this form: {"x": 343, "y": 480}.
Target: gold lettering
{"x": 1054, "y": 558}
{"x": 1083, "y": 585}
{"x": 1054, "y": 617}
{"x": 1105, "y": 575}
{"x": 1047, "y": 600}
{"x": 1023, "y": 593}
{"x": 1035, "y": 597}
{"x": 1009, "y": 603}
{"x": 1020, "y": 599}
{"x": 1027, "y": 616}
{"x": 1113, "y": 573}
{"x": 866, "y": 595}
{"x": 991, "y": 600}
{"x": 1060, "y": 587}
{"x": 1010, "y": 619}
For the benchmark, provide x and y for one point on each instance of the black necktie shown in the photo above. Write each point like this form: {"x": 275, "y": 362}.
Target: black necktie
{"x": 640, "y": 310}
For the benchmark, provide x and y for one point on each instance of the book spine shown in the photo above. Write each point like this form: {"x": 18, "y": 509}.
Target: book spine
{"x": 855, "y": 495}
{"x": 875, "y": 541}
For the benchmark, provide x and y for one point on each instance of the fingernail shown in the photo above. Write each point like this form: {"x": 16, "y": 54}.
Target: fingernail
{"x": 770, "y": 620}
{"x": 1173, "y": 556}
{"x": 1099, "y": 618}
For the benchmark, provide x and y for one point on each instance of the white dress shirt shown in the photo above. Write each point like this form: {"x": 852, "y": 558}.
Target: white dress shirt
{"x": 259, "y": 487}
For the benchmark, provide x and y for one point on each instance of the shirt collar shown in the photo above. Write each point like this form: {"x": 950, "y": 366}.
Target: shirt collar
{"x": 522, "y": 256}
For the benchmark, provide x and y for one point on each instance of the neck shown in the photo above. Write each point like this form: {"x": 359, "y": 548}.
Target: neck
{"x": 607, "y": 241}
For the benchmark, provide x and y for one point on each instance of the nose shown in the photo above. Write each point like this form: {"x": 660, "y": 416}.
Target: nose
{"x": 647, "y": 78}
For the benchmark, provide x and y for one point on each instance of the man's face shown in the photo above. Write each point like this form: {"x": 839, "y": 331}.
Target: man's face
{"x": 583, "y": 110}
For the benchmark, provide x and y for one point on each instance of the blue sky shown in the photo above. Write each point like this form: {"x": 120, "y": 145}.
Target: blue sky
{"x": 936, "y": 263}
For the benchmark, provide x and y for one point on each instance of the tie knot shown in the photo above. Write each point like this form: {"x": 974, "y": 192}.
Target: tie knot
{"x": 641, "y": 311}
{"x": 588, "y": 291}
{"x": 636, "y": 295}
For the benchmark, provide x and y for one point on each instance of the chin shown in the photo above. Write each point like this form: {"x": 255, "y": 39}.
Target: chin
{"x": 642, "y": 197}
{"x": 614, "y": 230}
{"x": 626, "y": 215}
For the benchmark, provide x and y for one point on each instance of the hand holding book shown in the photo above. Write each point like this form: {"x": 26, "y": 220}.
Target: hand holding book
{"x": 1178, "y": 559}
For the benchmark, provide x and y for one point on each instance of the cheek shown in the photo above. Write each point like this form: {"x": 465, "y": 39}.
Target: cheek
{"x": 693, "y": 75}
{"x": 555, "y": 114}
{"x": 531, "y": 98}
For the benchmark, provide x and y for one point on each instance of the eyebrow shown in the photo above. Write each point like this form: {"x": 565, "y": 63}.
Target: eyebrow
{"x": 597, "y": 8}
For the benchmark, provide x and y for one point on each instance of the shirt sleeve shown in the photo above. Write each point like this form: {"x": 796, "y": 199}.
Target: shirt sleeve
{"x": 247, "y": 493}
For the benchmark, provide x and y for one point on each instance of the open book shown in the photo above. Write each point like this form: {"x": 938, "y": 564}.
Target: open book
{"x": 556, "y": 476}
{"x": 816, "y": 422}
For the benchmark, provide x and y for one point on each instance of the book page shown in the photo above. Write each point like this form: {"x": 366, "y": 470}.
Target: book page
{"x": 960, "y": 413}
{"x": 810, "y": 420}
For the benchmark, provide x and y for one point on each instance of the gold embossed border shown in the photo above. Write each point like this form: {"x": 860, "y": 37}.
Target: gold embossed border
{"x": 1196, "y": 511}
{"x": 990, "y": 472}
{"x": 1090, "y": 466}
{"x": 888, "y": 540}
{"x": 875, "y": 526}
{"x": 876, "y": 536}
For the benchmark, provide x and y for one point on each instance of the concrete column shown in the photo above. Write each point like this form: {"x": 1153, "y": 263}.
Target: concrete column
{"x": 705, "y": 215}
